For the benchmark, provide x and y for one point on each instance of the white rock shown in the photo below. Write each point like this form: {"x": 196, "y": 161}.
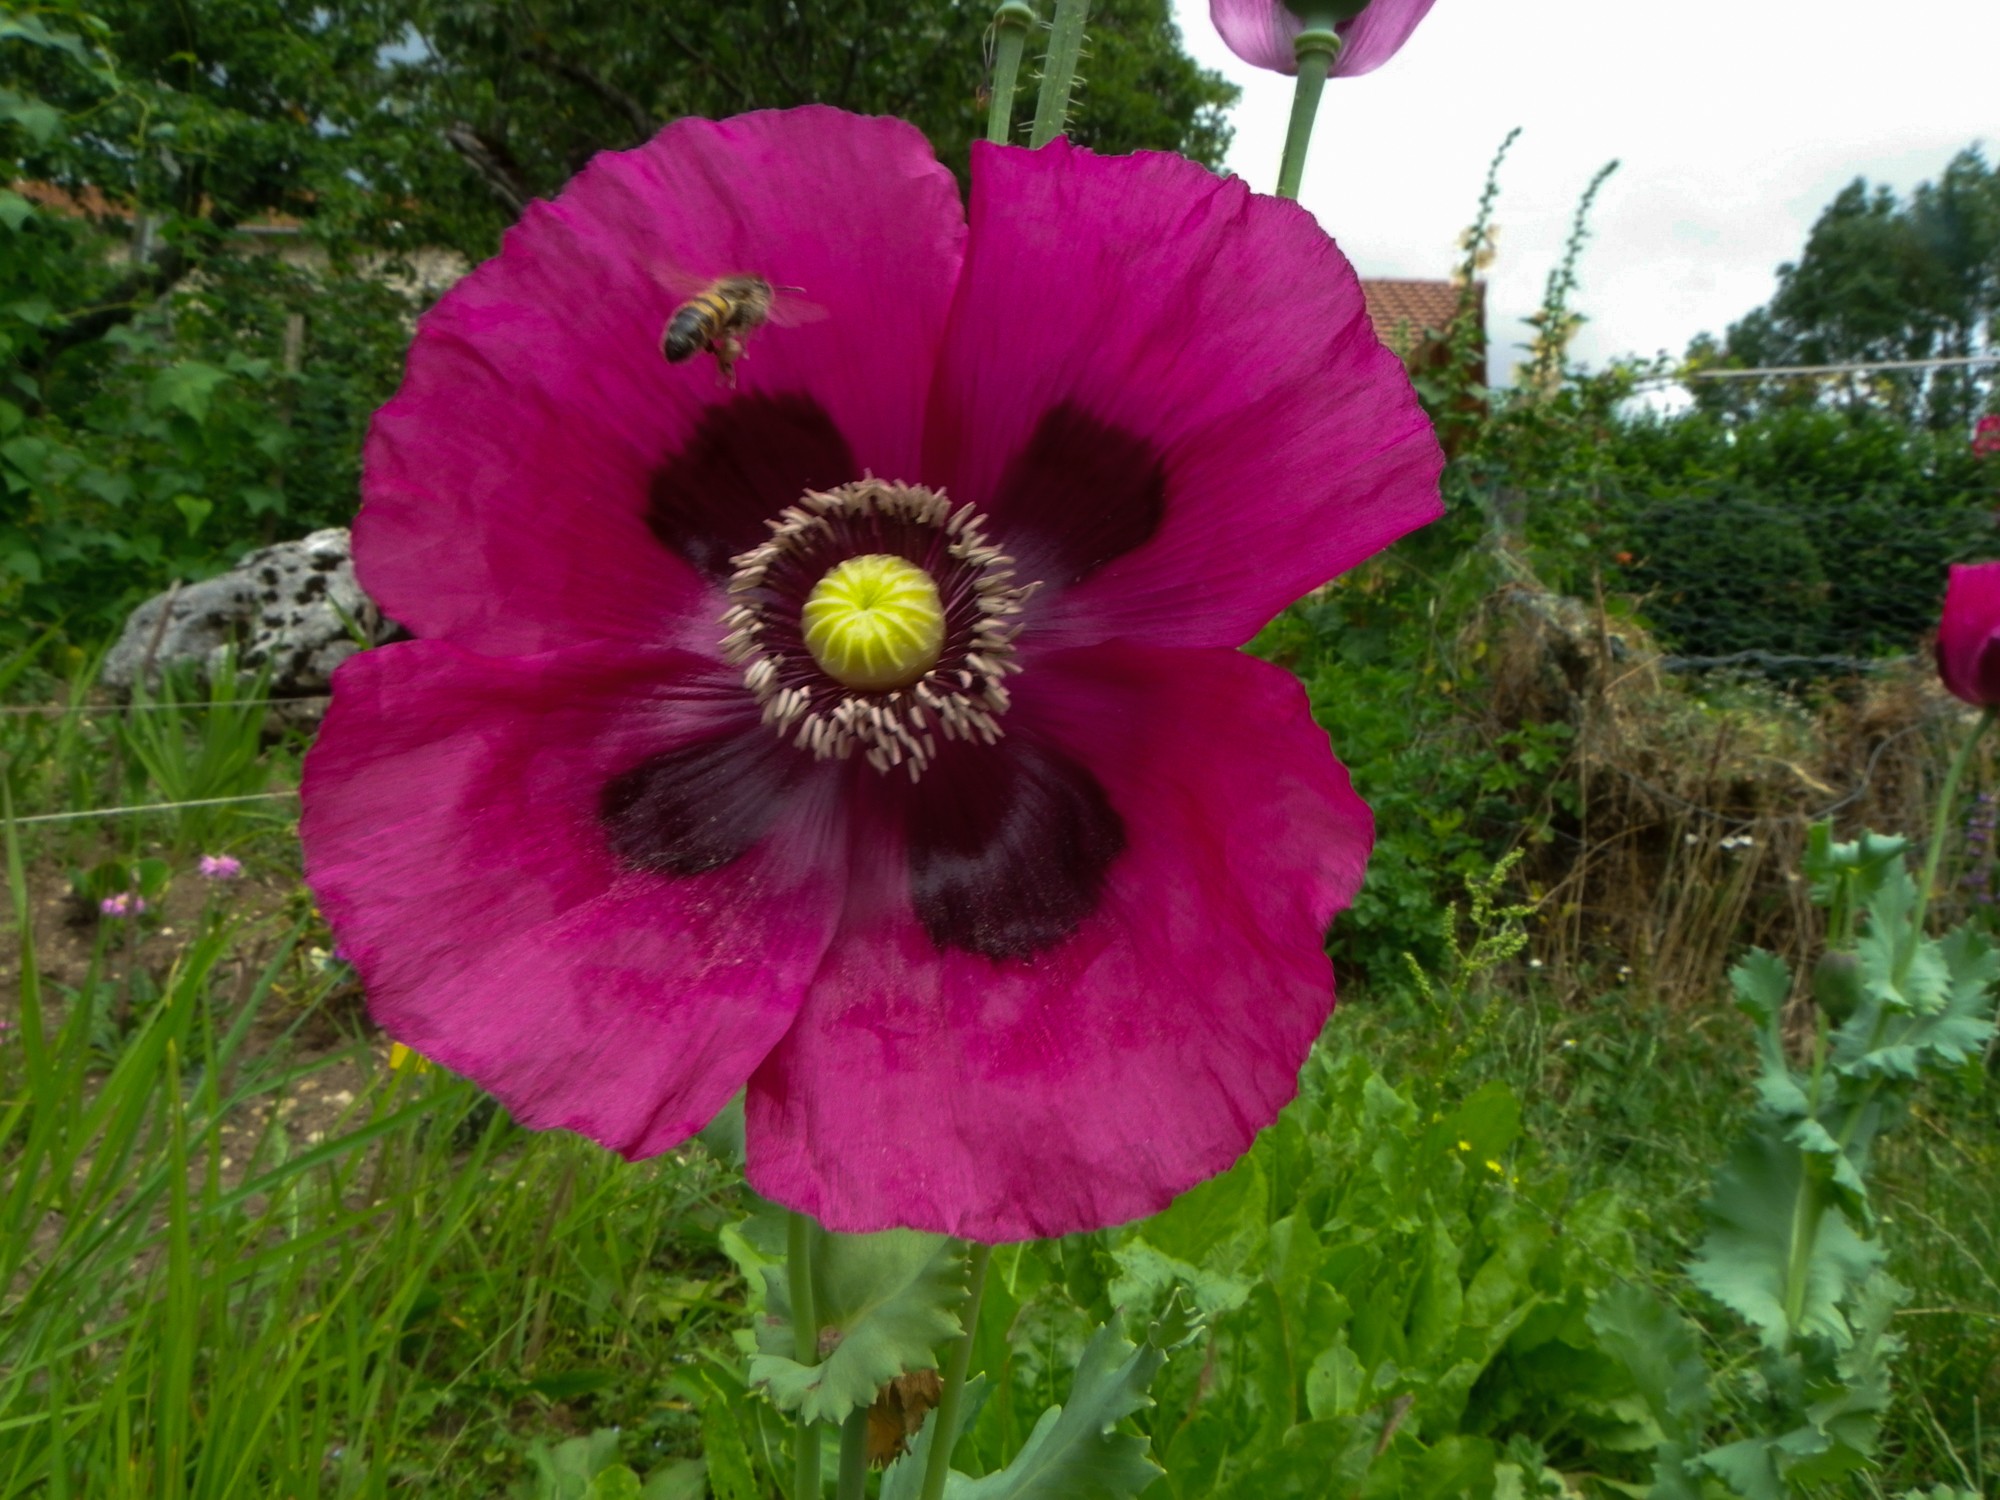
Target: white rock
{"x": 294, "y": 608}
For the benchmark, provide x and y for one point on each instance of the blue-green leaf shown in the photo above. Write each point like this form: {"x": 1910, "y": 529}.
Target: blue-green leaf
{"x": 1075, "y": 1451}
{"x": 1762, "y": 1200}
{"x": 1954, "y": 1024}
{"x": 883, "y": 1302}
{"x": 1763, "y": 984}
{"x": 1660, "y": 1351}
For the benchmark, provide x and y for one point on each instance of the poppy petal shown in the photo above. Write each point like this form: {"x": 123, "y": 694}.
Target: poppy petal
{"x": 454, "y": 839}
{"x": 1968, "y": 644}
{"x": 1088, "y": 1085}
{"x": 510, "y": 485}
{"x": 1195, "y": 329}
{"x": 745, "y": 462}
{"x": 1008, "y": 847}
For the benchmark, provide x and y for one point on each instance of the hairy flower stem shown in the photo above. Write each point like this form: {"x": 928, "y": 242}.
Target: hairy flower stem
{"x": 854, "y": 1455}
{"x": 944, "y": 1429}
{"x": 805, "y": 1347}
{"x": 1059, "y": 70}
{"x": 1010, "y": 28}
{"x": 1317, "y": 47}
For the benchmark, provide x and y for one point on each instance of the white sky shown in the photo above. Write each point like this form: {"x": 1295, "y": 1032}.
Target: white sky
{"x": 1734, "y": 123}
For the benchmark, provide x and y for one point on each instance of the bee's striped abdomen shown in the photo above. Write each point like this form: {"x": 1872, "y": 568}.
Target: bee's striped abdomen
{"x": 696, "y": 324}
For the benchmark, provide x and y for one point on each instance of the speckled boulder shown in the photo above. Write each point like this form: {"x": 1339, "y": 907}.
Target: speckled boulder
{"x": 293, "y": 608}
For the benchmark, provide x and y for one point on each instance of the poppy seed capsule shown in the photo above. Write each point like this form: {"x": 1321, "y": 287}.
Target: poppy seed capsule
{"x": 874, "y": 622}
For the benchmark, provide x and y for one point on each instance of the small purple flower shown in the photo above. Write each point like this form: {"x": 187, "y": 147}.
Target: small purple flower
{"x": 124, "y": 904}
{"x": 220, "y": 867}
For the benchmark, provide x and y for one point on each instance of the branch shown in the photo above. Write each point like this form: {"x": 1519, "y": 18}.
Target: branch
{"x": 707, "y": 64}
{"x": 493, "y": 164}
{"x": 144, "y": 285}
{"x": 543, "y": 56}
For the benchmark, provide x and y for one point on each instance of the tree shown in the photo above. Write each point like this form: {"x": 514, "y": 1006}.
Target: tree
{"x": 526, "y": 91}
{"x": 1881, "y": 279}
{"x": 155, "y": 417}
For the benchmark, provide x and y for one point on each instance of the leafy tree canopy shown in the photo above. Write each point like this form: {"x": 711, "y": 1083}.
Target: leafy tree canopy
{"x": 1882, "y": 278}
{"x": 169, "y": 396}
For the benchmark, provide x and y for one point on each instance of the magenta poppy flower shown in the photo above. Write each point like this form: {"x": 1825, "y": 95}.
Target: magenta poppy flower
{"x": 1261, "y": 32}
{"x": 870, "y": 732}
{"x": 1968, "y": 644}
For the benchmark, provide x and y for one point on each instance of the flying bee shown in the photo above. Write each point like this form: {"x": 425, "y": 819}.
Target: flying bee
{"x": 717, "y": 316}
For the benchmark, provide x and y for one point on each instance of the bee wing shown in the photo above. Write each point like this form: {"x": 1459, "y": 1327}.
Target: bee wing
{"x": 678, "y": 282}
{"x": 789, "y": 310}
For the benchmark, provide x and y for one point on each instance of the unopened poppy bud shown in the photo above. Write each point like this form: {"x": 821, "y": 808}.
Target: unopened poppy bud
{"x": 1836, "y": 985}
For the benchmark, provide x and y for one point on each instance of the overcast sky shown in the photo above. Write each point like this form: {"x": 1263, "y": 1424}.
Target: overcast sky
{"x": 1733, "y": 128}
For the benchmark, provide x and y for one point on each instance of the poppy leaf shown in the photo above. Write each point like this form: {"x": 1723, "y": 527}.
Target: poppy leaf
{"x": 1075, "y": 1451}
{"x": 883, "y": 1303}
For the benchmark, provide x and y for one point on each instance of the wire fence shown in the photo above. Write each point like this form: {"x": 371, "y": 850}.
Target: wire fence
{"x": 108, "y": 710}
{"x": 1779, "y": 659}
{"x": 152, "y": 807}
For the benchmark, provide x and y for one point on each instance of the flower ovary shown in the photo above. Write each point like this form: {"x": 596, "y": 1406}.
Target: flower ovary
{"x": 874, "y": 622}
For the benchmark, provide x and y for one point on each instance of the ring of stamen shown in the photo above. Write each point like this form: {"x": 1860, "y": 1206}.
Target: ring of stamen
{"x": 959, "y": 696}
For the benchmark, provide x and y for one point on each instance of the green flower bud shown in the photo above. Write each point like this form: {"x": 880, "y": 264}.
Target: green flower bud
{"x": 1836, "y": 985}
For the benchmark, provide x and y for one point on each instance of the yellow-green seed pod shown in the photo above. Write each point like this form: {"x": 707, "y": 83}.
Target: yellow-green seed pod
{"x": 874, "y": 622}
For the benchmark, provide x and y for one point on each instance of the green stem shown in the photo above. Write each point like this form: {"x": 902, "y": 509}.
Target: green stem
{"x": 1059, "y": 70}
{"x": 1940, "y": 827}
{"x": 944, "y": 1428}
{"x": 1010, "y": 25}
{"x": 854, "y": 1455}
{"x": 1317, "y": 47}
{"x": 805, "y": 1347}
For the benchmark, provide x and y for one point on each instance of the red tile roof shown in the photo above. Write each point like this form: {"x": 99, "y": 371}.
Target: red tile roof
{"x": 90, "y": 202}
{"x": 1403, "y": 311}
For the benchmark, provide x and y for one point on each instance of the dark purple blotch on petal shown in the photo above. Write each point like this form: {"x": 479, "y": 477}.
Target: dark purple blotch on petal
{"x": 699, "y": 807}
{"x": 1081, "y": 493}
{"x": 746, "y": 460}
{"x": 1008, "y": 848}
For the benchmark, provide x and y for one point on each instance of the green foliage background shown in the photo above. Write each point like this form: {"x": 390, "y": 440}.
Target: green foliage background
{"x": 157, "y": 419}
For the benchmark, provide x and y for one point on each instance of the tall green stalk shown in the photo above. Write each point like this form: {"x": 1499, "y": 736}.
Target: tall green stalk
{"x": 854, "y": 1455}
{"x": 1317, "y": 48}
{"x": 1010, "y": 39}
{"x": 1940, "y": 832}
{"x": 805, "y": 1340}
{"x": 1059, "y": 70}
{"x": 944, "y": 1429}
